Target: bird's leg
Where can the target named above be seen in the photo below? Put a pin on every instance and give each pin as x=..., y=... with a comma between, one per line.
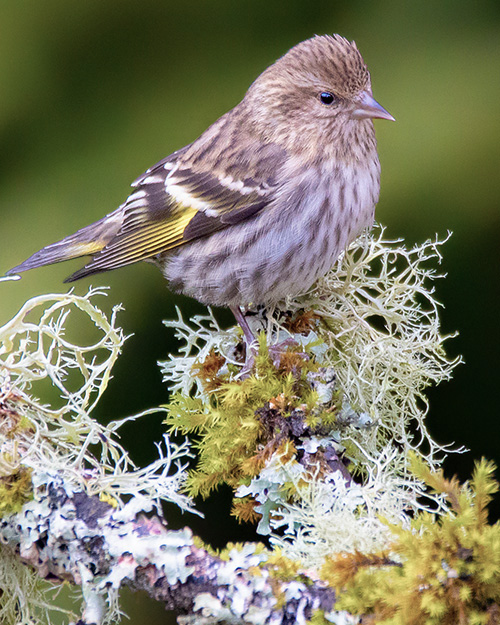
x=241, y=319
x=251, y=349
x=275, y=351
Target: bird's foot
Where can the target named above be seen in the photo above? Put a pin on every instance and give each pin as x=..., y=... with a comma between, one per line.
x=279, y=351
x=286, y=355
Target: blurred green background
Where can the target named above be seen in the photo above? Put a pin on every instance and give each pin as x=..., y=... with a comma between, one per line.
x=92, y=93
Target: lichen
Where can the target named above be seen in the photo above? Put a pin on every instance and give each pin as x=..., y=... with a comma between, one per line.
x=39, y=439
x=335, y=395
x=380, y=321
x=36, y=345
x=29, y=599
x=319, y=429
x=374, y=318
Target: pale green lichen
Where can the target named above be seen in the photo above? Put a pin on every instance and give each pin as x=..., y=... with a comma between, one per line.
x=35, y=347
x=367, y=346
x=381, y=323
x=331, y=514
x=28, y=598
x=377, y=326
x=52, y=518
x=39, y=440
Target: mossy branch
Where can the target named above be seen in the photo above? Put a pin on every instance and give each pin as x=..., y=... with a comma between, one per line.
x=317, y=440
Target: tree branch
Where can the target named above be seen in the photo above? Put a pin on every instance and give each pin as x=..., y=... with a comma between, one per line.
x=67, y=535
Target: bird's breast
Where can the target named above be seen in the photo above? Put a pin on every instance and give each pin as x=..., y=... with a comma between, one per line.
x=282, y=250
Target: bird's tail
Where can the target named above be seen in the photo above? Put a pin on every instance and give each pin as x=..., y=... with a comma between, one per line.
x=85, y=242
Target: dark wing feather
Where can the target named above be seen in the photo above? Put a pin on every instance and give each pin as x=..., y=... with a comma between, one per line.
x=177, y=201
x=229, y=201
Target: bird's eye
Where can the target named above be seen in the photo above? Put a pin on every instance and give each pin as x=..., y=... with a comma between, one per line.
x=327, y=97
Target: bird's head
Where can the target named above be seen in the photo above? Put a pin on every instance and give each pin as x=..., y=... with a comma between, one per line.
x=321, y=87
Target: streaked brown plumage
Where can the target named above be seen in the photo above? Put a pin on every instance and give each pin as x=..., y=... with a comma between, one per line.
x=264, y=201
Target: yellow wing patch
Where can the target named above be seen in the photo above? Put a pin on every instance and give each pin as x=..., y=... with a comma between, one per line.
x=88, y=248
x=152, y=238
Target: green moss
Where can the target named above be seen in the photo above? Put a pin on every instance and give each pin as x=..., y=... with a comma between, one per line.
x=443, y=570
x=282, y=568
x=15, y=490
x=245, y=420
x=318, y=618
x=225, y=553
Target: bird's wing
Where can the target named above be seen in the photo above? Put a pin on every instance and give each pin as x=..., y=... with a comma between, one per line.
x=179, y=200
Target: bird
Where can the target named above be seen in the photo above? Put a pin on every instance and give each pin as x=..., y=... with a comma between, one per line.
x=263, y=202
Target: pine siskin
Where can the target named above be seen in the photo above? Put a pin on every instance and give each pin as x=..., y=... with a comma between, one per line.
x=264, y=201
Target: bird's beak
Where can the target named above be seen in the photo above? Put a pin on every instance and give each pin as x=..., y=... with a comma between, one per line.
x=368, y=107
